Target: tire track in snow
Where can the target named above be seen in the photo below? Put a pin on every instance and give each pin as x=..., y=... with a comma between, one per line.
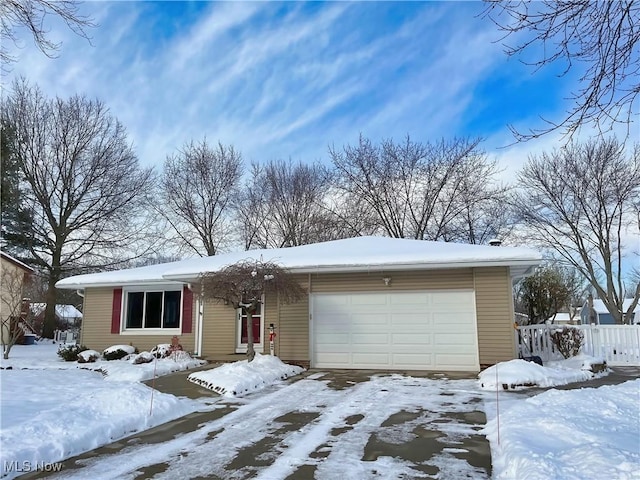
x=238, y=426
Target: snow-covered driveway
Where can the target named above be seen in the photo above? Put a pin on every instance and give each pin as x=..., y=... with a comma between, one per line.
x=384, y=426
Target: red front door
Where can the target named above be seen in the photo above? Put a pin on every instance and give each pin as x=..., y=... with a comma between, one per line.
x=256, y=329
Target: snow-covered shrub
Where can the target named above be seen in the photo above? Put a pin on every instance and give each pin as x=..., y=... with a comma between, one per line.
x=161, y=350
x=69, y=353
x=143, y=357
x=88, y=356
x=117, y=352
x=568, y=341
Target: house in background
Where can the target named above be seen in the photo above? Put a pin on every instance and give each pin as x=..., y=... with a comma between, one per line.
x=604, y=317
x=67, y=316
x=371, y=302
x=14, y=275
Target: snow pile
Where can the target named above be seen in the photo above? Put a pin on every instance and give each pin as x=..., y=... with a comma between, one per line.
x=239, y=378
x=569, y=434
x=520, y=373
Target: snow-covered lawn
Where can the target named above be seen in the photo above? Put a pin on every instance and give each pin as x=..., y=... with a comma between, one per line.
x=52, y=410
x=588, y=433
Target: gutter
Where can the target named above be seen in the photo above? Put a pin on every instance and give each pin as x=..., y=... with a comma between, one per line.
x=187, y=278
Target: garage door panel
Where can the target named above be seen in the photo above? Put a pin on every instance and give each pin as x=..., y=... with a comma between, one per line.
x=413, y=360
x=453, y=339
x=367, y=300
x=404, y=330
x=411, y=339
x=453, y=318
x=369, y=319
x=409, y=300
x=370, y=339
x=333, y=338
x=364, y=359
x=334, y=360
x=452, y=361
x=412, y=319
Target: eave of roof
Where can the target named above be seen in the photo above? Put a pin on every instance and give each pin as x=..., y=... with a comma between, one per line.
x=361, y=254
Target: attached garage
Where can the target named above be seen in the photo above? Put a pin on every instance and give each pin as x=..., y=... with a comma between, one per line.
x=422, y=330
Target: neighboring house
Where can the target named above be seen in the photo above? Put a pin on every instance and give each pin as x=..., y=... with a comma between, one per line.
x=603, y=317
x=372, y=303
x=67, y=316
x=563, y=318
x=13, y=276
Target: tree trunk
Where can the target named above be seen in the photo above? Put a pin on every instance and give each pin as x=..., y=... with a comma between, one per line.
x=251, y=353
x=49, y=324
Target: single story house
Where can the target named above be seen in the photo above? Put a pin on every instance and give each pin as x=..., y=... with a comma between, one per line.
x=371, y=302
x=604, y=317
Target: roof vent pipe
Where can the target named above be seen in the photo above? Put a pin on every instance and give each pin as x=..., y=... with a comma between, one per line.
x=494, y=242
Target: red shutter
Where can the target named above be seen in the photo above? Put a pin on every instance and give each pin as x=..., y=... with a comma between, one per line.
x=187, y=310
x=115, y=310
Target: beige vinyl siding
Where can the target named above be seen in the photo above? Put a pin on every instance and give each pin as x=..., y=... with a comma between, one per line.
x=96, y=326
x=219, y=329
x=293, y=328
x=461, y=278
x=494, y=310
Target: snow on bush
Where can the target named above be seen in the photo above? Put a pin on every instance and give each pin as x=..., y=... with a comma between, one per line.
x=88, y=356
x=568, y=341
x=116, y=352
x=161, y=350
x=142, y=357
x=69, y=353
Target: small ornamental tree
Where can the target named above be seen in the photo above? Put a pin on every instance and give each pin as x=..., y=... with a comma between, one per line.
x=243, y=284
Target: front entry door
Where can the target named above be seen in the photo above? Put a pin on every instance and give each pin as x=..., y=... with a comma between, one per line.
x=257, y=325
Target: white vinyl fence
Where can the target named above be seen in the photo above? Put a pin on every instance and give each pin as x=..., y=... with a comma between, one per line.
x=619, y=345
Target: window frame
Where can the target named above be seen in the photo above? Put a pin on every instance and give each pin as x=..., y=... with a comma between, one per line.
x=124, y=330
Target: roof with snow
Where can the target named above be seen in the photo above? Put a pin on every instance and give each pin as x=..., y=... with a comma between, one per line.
x=15, y=261
x=348, y=255
x=62, y=311
x=599, y=306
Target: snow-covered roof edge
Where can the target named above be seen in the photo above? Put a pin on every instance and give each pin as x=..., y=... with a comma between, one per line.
x=17, y=262
x=338, y=256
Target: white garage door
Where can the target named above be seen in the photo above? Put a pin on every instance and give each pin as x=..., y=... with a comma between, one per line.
x=433, y=330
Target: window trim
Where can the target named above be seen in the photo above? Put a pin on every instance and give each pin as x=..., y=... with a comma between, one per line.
x=145, y=289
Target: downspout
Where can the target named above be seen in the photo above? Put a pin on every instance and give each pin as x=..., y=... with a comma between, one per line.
x=80, y=293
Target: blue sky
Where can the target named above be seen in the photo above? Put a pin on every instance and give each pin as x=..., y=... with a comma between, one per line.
x=286, y=80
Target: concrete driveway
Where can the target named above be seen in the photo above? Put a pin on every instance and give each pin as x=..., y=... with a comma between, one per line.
x=323, y=424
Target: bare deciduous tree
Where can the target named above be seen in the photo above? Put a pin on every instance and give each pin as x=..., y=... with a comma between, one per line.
x=243, y=284
x=284, y=203
x=30, y=15
x=198, y=185
x=603, y=37
x=421, y=191
x=83, y=182
x=578, y=202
